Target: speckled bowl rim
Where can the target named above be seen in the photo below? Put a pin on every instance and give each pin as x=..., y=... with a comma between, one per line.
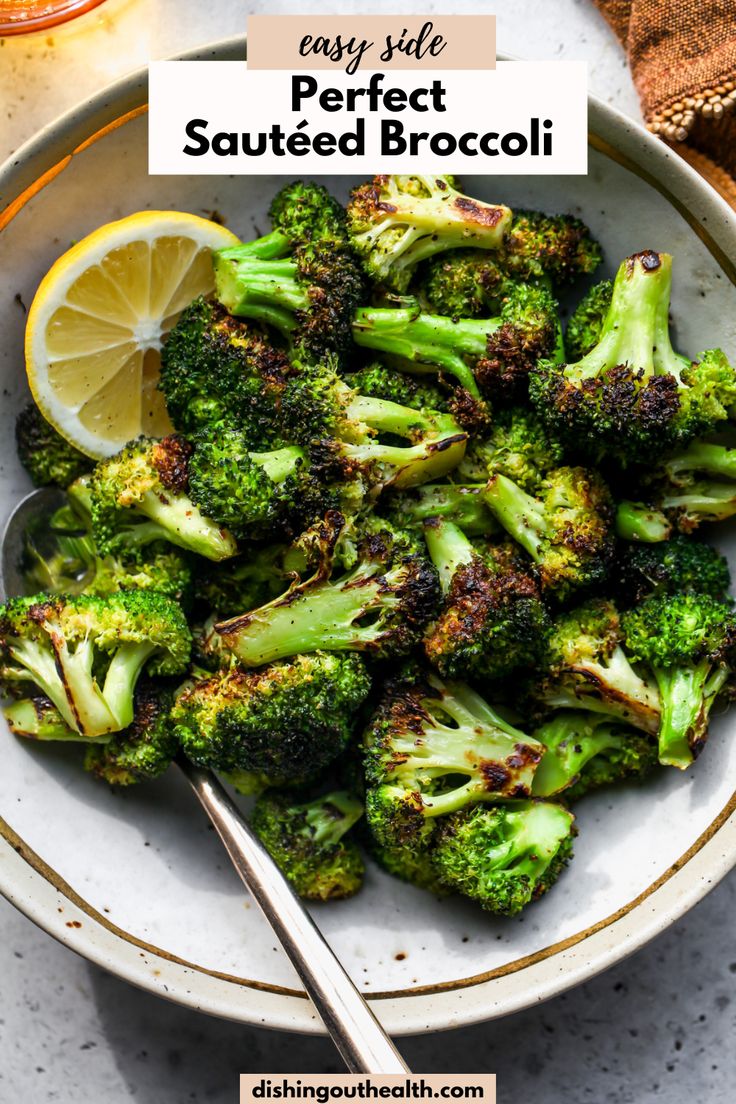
x=38, y=891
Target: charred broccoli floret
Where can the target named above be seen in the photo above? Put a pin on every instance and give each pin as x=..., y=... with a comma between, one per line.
x=380, y=381
x=632, y=396
x=677, y=566
x=504, y=856
x=518, y=446
x=217, y=369
x=687, y=488
x=583, y=331
x=432, y=748
x=145, y=749
x=343, y=429
x=310, y=842
x=86, y=653
x=60, y=557
x=402, y=847
x=381, y=606
x=490, y=355
x=280, y=724
x=565, y=527
x=397, y=221
x=473, y=283
x=492, y=620
x=591, y=669
x=49, y=459
x=687, y=641
x=302, y=279
x=149, y=479
x=588, y=750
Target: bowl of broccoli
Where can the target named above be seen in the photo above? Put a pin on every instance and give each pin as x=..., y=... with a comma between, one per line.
x=431, y=567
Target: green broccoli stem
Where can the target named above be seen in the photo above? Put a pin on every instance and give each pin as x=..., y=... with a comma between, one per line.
x=429, y=339
x=449, y=549
x=257, y=280
x=385, y=416
x=703, y=501
x=42, y=664
x=122, y=675
x=636, y=328
x=405, y=466
x=637, y=522
x=519, y=513
x=572, y=740
x=687, y=696
x=179, y=521
x=280, y=464
x=311, y=617
x=36, y=721
x=331, y=816
x=707, y=459
x=461, y=503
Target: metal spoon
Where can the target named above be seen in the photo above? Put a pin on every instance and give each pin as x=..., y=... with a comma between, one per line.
x=357, y=1034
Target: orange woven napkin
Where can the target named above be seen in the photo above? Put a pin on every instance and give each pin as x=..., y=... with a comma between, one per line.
x=683, y=59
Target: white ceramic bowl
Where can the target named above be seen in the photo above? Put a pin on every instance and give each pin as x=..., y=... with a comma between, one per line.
x=136, y=881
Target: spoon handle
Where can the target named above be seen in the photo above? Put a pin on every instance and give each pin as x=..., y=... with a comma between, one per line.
x=357, y=1034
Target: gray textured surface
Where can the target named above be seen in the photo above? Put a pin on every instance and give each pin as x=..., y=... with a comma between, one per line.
x=658, y=1027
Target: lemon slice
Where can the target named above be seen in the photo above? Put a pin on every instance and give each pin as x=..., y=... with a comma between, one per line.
x=94, y=332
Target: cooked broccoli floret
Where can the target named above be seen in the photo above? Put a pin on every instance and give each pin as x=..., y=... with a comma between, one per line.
x=588, y=750
x=492, y=621
x=343, y=430
x=309, y=842
x=149, y=478
x=60, y=557
x=472, y=283
x=380, y=606
x=493, y=355
x=677, y=566
x=302, y=279
x=687, y=640
x=86, y=653
x=405, y=849
x=145, y=749
x=519, y=446
x=589, y=668
x=283, y=723
x=461, y=503
x=380, y=381
x=49, y=459
x=565, y=527
x=254, y=494
x=433, y=748
x=686, y=489
x=583, y=331
x=505, y=856
x=632, y=396
x=217, y=369
x=397, y=221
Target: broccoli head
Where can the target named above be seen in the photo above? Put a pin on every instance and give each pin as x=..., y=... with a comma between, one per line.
x=565, y=528
x=310, y=843
x=251, y=579
x=379, y=381
x=381, y=606
x=217, y=369
x=504, y=856
x=145, y=749
x=280, y=724
x=588, y=750
x=49, y=458
x=86, y=653
x=557, y=246
x=434, y=747
x=589, y=668
x=632, y=396
x=680, y=565
x=149, y=479
x=687, y=641
x=460, y=503
x=492, y=620
x=402, y=846
x=518, y=446
x=491, y=355
x=397, y=221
